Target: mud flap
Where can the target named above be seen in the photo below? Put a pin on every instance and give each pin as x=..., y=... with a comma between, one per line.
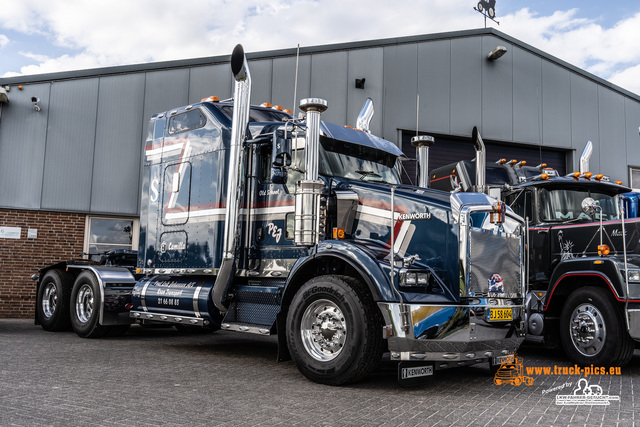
x=411, y=374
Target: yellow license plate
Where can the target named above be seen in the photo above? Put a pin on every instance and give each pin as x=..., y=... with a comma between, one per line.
x=499, y=314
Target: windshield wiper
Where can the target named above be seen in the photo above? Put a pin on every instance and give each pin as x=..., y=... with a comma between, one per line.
x=368, y=173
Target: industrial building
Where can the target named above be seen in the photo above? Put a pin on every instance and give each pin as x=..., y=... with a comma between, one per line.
x=71, y=142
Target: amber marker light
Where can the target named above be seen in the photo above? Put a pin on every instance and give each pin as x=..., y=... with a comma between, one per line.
x=266, y=104
x=598, y=262
x=210, y=99
x=619, y=182
x=599, y=176
x=544, y=176
x=501, y=161
x=338, y=233
x=588, y=175
x=603, y=250
x=513, y=162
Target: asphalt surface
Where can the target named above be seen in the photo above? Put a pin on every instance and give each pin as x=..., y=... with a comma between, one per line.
x=152, y=377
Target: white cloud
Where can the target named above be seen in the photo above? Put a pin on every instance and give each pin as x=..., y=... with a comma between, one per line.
x=4, y=40
x=99, y=34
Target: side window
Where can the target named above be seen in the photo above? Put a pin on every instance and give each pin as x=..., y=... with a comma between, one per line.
x=264, y=158
x=192, y=119
x=520, y=203
x=107, y=234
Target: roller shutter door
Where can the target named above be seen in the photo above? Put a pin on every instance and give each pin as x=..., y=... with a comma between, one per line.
x=448, y=150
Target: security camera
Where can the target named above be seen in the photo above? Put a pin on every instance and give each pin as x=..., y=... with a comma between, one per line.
x=35, y=100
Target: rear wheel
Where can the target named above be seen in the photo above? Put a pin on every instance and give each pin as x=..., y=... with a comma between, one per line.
x=52, y=301
x=333, y=330
x=592, y=329
x=85, y=307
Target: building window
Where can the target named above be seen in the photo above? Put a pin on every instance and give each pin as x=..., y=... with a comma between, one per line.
x=106, y=234
x=634, y=178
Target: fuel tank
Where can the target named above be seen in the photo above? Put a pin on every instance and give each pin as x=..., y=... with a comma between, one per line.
x=169, y=298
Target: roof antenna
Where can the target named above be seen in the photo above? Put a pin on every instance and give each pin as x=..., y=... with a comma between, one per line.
x=295, y=84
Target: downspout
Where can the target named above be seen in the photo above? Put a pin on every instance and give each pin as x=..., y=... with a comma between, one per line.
x=241, y=106
x=481, y=160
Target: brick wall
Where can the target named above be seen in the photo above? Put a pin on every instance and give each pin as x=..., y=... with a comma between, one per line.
x=60, y=238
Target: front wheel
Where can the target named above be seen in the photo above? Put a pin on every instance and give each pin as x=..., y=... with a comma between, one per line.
x=333, y=330
x=85, y=307
x=592, y=329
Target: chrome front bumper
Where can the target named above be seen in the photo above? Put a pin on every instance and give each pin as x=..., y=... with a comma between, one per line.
x=456, y=334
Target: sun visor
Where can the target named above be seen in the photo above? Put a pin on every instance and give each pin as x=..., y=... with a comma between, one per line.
x=354, y=136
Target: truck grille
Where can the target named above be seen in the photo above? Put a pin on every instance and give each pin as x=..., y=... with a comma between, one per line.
x=494, y=260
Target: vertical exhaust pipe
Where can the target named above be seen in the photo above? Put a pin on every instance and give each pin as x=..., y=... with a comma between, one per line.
x=422, y=144
x=585, y=157
x=241, y=106
x=365, y=116
x=481, y=160
x=309, y=190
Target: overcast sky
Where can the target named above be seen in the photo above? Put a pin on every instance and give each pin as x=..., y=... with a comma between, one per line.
x=42, y=36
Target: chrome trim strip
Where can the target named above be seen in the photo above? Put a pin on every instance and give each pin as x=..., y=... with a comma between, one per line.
x=143, y=296
x=196, y=294
x=169, y=318
x=237, y=327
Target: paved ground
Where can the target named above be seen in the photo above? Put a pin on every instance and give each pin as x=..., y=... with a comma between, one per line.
x=158, y=377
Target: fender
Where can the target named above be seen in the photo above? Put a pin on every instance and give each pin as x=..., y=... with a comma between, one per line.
x=602, y=268
x=361, y=260
x=108, y=277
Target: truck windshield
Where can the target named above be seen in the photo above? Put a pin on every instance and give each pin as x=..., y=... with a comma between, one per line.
x=346, y=160
x=566, y=204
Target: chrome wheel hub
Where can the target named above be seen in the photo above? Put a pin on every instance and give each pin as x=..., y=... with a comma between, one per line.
x=588, y=330
x=323, y=330
x=49, y=299
x=84, y=303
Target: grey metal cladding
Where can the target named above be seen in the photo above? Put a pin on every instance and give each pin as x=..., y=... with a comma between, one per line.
x=466, y=84
x=68, y=167
x=632, y=118
x=118, y=147
x=260, y=80
x=365, y=63
x=527, y=99
x=400, y=89
x=22, y=147
x=497, y=92
x=612, y=151
x=329, y=82
x=434, y=85
x=211, y=80
x=556, y=106
x=584, y=118
x=284, y=81
x=165, y=90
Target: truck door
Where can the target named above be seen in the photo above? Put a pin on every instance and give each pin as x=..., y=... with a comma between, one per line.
x=273, y=220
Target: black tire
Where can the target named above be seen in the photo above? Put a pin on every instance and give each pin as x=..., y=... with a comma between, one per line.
x=85, y=307
x=593, y=330
x=492, y=13
x=52, y=301
x=480, y=8
x=333, y=331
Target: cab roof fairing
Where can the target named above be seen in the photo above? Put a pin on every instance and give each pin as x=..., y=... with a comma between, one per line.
x=564, y=182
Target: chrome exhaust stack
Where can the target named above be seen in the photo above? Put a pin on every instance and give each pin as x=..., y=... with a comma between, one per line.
x=481, y=161
x=309, y=190
x=422, y=144
x=241, y=107
x=585, y=157
x=365, y=116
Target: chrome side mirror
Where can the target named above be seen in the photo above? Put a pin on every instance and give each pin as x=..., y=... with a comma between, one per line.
x=589, y=206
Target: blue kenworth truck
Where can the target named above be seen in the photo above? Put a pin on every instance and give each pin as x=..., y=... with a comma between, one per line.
x=258, y=222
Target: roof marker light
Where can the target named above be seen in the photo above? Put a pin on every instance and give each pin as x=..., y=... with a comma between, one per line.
x=541, y=166
x=266, y=104
x=501, y=161
x=210, y=99
x=619, y=182
x=513, y=162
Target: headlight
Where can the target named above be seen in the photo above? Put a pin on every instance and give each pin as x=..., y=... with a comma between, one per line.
x=633, y=275
x=414, y=278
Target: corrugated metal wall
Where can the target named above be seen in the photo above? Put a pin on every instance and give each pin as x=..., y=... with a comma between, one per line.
x=82, y=151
